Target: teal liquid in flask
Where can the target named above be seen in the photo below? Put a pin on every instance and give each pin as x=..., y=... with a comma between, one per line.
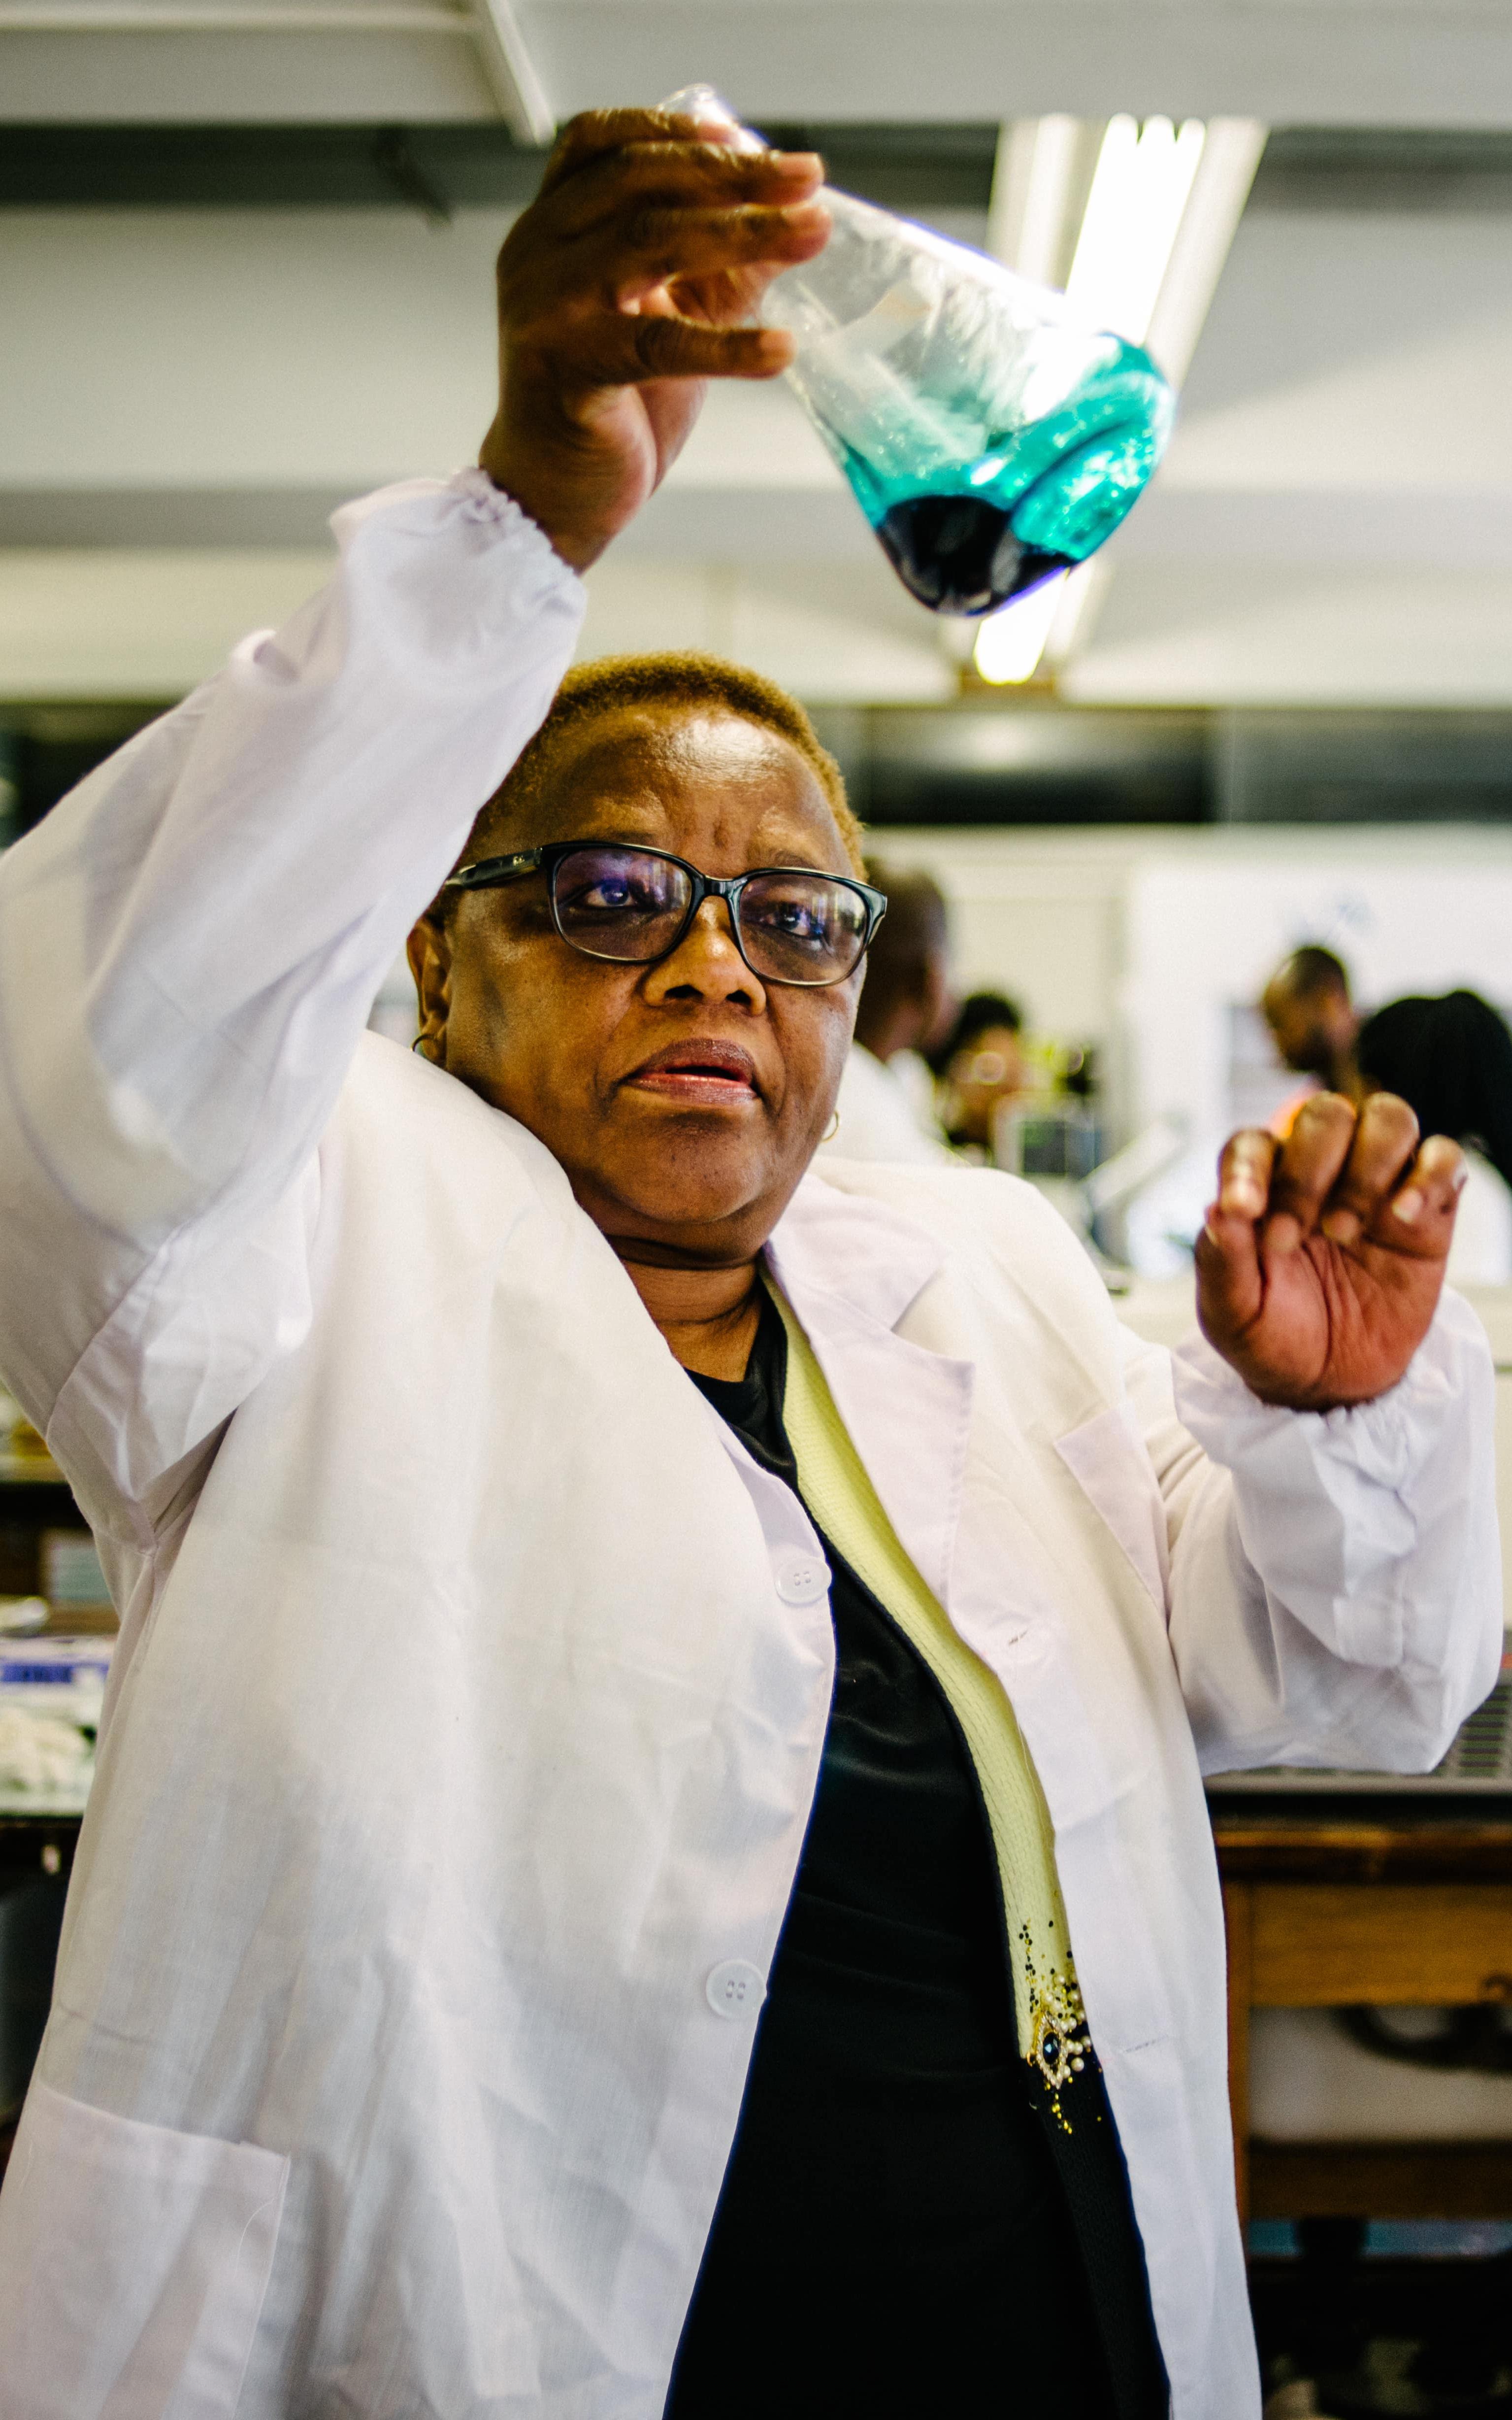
x=990, y=438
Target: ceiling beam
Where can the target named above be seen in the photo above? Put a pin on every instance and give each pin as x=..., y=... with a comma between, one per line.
x=223, y=17
x=511, y=73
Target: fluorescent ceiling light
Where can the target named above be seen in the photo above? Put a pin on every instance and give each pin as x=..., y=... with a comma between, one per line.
x=1039, y=629
x=1220, y=189
x=1120, y=212
x=1133, y=214
x=1138, y=224
x=1011, y=641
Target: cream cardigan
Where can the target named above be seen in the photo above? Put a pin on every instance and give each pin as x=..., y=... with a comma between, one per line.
x=1047, y=2003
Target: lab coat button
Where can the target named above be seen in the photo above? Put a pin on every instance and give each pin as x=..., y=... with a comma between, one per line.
x=801, y=1578
x=735, y=1988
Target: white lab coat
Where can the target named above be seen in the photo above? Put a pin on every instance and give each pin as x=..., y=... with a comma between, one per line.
x=472, y=1683
x=877, y=1119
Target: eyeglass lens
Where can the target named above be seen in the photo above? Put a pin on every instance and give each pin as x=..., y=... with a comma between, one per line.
x=625, y=904
x=619, y=903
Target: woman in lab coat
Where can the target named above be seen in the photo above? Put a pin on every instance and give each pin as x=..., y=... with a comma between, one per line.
x=478, y=1651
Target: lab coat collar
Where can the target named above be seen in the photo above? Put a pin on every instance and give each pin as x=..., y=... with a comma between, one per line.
x=851, y=1265
x=852, y=1250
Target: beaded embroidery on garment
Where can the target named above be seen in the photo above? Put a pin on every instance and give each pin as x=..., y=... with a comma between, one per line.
x=1047, y=2001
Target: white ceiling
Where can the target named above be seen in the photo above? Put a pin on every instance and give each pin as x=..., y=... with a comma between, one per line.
x=1329, y=62
x=188, y=391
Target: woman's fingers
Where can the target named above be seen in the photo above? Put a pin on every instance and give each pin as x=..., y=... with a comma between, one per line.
x=1306, y=1165
x=630, y=349
x=633, y=223
x=1229, y=1265
x=673, y=175
x=665, y=247
x=593, y=132
x=1341, y=1174
x=1382, y=1149
x=730, y=298
x=1428, y=1195
x=630, y=281
x=1351, y=1179
x=1244, y=1167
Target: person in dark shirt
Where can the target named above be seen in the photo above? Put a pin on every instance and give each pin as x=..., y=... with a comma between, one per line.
x=1451, y=1060
x=1449, y=1057
x=904, y=2188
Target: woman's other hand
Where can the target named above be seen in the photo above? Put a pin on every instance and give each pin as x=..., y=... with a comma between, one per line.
x=629, y=282
x=1323, y=1258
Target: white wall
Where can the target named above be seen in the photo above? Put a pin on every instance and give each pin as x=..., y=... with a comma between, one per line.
x=1142, y=940
x=138, y=622
x=188, y=348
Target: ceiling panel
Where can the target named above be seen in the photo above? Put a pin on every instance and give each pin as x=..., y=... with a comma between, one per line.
x=1351, y=62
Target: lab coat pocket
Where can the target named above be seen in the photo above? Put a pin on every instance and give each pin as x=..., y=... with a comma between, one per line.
x=134, y=2262
x=1107, y=1459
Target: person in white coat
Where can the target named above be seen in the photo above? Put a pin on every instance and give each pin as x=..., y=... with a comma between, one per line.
x=885, y=1106
x=532, y=1492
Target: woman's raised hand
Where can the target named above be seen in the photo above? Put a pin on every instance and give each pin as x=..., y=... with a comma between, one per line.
x=629, y=282
x=1322, y=1257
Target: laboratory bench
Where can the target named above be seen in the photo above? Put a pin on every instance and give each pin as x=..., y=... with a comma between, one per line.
x=1359, y=1902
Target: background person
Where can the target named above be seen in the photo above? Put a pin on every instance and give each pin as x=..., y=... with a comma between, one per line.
x=1313, y=1020
x=981, y=1066
x=886, y=1110
x=494, y=1692
x=1449, y=1057
x=1450, y=1060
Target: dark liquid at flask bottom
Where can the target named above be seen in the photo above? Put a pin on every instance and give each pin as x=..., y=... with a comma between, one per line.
x=958, y=554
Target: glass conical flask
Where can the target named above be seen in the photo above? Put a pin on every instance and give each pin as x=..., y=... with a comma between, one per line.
x=990, y=439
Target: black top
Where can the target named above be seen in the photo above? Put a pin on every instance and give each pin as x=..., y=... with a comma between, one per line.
x=906, y=2226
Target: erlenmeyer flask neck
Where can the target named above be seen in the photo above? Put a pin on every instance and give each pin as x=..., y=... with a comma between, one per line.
x=701, y=102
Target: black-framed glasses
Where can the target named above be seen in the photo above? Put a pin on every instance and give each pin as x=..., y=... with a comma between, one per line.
x=612, y=899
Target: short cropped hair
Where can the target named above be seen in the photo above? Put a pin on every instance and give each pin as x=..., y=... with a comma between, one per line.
x=1312, y=969
x=609, y=685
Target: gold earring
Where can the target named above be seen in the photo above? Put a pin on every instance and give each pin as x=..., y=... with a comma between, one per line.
x=832, y=1129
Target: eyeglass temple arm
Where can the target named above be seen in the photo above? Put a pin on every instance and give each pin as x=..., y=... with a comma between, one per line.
x=487, y=871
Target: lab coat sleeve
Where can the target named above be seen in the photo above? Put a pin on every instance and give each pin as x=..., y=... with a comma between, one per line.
x=1335, y=1593
x=190, y=947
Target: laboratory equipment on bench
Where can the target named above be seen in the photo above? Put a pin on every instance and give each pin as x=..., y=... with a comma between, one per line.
x=51, y=1693
x=990, y=437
